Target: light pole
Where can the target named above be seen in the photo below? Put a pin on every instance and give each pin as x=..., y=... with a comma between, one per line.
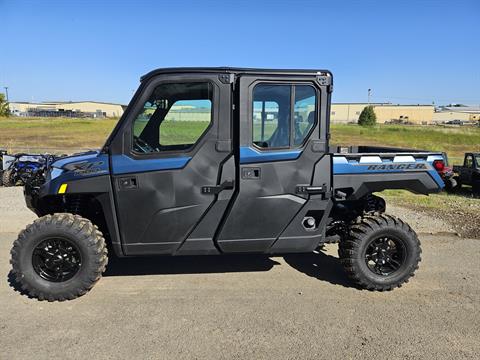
x=6, y=92
x=369, y=95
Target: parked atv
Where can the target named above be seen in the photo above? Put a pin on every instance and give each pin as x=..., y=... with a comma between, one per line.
x=220, y=161
x=23, y=168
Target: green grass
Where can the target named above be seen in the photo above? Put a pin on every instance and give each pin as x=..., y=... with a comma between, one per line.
x=75, y=134
x=454, y=141
x=53, y=134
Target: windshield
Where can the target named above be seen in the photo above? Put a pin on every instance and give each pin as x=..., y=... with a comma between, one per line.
x=477, y=160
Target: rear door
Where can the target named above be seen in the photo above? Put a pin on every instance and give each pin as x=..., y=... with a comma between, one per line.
x=173, y=163
x=282, y=154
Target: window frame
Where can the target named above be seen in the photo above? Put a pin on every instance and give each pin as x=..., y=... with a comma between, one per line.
x=292, y=86
x=197, y=142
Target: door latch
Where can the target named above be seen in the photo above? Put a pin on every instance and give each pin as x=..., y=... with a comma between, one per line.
x=216, y=189
x=250, y=173
x=312, y=190
x=127, y=183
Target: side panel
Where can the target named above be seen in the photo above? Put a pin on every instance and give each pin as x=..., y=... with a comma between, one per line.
x=356, y=176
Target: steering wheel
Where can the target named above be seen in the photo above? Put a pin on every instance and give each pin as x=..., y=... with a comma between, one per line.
x=143, y=146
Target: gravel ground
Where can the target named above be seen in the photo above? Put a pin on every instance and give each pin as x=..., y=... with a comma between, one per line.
x=254, y=307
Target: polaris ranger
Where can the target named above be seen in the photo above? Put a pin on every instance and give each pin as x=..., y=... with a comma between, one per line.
x=469, y=173
x=220, y=161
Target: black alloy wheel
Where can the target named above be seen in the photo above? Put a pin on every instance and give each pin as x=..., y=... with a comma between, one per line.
x=56, y=260
x=385, y=255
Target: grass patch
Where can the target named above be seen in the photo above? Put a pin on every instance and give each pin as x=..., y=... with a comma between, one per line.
x=50, y=134
x=454, y=141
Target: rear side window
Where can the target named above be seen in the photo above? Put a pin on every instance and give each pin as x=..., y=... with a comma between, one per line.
x=469, y=161
x=283, y=115
x=304, y=112
x=174, y=117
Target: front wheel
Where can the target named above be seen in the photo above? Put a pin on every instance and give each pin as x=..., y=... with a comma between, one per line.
x=381, y=252
x=58, y=257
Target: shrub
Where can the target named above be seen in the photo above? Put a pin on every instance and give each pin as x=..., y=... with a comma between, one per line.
x=367, y=117
x=4, y=109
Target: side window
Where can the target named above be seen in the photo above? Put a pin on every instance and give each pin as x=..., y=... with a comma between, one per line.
x=283, y=115
x=469, y=161
x=174, y=117
x=304, y=112
x=271, y=115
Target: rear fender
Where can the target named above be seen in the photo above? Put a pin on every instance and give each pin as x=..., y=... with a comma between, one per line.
x=355, y=178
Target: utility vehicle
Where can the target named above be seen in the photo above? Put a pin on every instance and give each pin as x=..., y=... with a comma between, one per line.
x=469, y=173
x=219, y=161
x=22, y=168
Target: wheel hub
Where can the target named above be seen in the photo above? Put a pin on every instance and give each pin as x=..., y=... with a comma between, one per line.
x=56, y=259
x=385, y=255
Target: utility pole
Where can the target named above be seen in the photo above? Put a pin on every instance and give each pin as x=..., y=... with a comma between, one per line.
x=6, y=92
x=369, y=95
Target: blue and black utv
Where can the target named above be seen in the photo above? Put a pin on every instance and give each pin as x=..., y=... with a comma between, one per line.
x=219, y=161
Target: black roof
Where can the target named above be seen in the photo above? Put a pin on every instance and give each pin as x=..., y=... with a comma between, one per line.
x=233, y=70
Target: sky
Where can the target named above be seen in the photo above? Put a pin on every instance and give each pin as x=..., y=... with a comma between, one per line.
x=407, y=52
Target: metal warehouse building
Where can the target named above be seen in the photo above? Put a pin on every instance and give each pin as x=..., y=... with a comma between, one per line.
x=350, y=112
x=67, y=109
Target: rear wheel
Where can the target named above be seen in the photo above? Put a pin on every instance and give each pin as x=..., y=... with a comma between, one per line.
x=381, y=252
x=7, y=178
x=59, y=257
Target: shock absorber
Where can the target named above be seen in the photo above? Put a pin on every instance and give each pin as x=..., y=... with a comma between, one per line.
x=75, y=204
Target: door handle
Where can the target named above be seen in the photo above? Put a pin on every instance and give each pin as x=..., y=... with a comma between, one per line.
x=216, y=189
x=251, y=173
x=311, y=190
x=127, y=183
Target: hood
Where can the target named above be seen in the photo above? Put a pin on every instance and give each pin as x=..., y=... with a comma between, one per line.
x=87, y=164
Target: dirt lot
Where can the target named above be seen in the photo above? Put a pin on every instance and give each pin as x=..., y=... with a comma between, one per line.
x=292, y=307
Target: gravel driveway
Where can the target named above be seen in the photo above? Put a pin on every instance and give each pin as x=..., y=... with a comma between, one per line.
x=255, y=307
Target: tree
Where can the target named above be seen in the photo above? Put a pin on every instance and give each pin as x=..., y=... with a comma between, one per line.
x=4, y=109
x=367, y=117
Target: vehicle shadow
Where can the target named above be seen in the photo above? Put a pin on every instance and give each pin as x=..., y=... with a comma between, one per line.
x=15, y=285
x=465, y=191
x=163, y=265
x=318, y=265
x=321, y=266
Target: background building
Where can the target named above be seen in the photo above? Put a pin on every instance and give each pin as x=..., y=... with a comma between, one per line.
x=462, y=113
x=415, y=114
x=93, y=109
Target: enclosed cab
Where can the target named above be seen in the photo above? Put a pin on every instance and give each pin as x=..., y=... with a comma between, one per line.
x=221, y=161
x=469, y=173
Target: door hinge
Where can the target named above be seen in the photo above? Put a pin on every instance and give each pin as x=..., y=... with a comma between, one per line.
x=325, y=80
x=226, y=78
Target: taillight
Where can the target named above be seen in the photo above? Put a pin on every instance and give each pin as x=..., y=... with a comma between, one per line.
x=439, y=165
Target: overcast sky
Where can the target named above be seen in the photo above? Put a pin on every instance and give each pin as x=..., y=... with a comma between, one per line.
x=405, y=51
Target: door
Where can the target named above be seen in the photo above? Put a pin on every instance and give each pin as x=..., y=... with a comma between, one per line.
x=175, y=163
x=281, y=158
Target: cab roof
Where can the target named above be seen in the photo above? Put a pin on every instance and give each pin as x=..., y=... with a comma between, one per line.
x=235, y=71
